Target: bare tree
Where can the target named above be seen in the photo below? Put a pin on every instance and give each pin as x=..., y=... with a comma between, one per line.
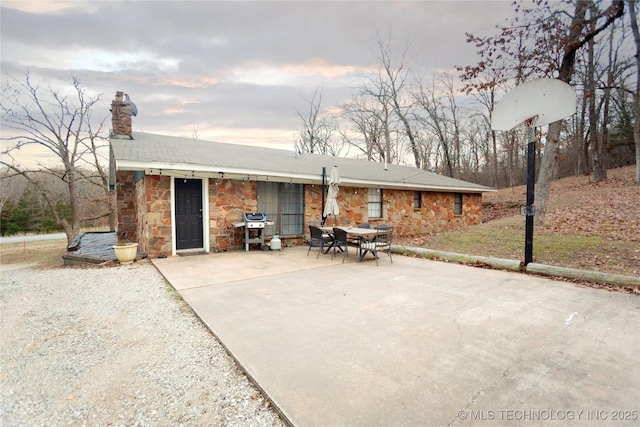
x=507, y=61
x=580, y=33
x=541, y=42
x=318, y=132
x=366, y=127
x=633, y=18
x=58, y=123
x=484, y=83
x=455, y=118
x=393, y=81
x=440, y=117
x=377, y=89
x=595, y=142
x=478, y=155
x=608, y=79
x=94, y=142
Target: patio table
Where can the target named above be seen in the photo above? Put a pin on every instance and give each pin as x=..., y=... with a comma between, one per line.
x=359, y=233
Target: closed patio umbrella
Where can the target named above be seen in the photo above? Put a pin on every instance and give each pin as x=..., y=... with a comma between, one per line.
x=331, y=207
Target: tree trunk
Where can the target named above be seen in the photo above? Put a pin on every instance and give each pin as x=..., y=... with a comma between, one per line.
x=545, y=174
x=576, y=39
x=395, y=82
x=509, y=164
x=600, y=172
x=409, y=131
x=636, y=97
x=387, y=136
x=584, y=164
x=495, y=158
x=549, y=156
x=74, y=229
x=597, y=160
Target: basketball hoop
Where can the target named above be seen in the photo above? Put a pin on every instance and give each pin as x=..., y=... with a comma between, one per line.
x=546, y=100
x=533, y=103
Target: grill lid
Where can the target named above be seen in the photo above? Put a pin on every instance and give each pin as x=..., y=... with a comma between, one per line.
x=255, y=216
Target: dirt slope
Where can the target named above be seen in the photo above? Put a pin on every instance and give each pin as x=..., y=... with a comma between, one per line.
x=610, y=209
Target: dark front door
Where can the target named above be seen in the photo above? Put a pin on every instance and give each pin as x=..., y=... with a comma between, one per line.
x=188, y=213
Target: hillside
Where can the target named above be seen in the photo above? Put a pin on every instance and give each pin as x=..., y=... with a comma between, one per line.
x=594, y=226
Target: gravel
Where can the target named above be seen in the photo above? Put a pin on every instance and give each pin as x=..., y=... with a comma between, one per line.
x=114, y=346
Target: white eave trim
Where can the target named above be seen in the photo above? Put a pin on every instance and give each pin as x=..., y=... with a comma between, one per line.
x=177, y=169
x=412, y=186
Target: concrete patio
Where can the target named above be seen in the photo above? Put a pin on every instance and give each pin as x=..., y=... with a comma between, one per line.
x=417, y=342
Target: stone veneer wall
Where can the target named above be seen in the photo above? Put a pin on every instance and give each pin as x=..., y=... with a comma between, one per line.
x=435, y=215
x=126, y=206
x=155, y=220
x=140, y=215
x=144, y=211
x=228, y=199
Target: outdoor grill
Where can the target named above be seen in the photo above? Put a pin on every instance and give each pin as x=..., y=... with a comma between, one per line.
x=253, y=223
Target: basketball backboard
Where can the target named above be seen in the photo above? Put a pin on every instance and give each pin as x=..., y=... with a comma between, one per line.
x=549, y=99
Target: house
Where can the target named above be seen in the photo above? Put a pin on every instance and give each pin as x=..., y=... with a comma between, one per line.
x=177, y=194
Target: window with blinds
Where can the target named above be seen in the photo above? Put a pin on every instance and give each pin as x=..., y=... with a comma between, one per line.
x=457, y=204
x=417, y=199
x=284, y=205
x=375, y=203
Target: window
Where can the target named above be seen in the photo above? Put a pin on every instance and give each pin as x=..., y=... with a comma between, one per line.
x=375, y=203
x=417, y=199
x=292, y=216
x=457, y=203
x=284, y=205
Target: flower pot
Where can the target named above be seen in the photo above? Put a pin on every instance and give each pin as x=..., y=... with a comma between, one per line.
x=126, y=252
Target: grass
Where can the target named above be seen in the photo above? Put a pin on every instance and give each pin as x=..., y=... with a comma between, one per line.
x=505, y=239
x=592, y=226
x=42, y=254
x=492, y=239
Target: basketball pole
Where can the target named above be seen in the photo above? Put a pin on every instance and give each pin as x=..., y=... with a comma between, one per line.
x=543, y=101
x=531, y=176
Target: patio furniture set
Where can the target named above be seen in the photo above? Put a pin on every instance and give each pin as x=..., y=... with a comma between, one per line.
x=362, y=237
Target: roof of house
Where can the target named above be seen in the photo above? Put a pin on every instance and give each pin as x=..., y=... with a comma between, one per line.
x=160, y=154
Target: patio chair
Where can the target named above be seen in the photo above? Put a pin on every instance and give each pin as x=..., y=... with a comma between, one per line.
x=381, y=226
x=319, y=239
x=355, y=240
x=341, y=242
x=381, y=242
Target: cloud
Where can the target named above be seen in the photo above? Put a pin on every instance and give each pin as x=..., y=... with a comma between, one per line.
x=233, y=69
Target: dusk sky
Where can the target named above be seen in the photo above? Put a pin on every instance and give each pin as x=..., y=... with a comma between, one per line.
x=237, y=71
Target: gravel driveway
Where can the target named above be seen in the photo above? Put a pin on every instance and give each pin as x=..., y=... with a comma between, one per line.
x=113, y=346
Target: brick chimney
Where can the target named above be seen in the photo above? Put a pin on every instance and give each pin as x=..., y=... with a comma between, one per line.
x=120, y=117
